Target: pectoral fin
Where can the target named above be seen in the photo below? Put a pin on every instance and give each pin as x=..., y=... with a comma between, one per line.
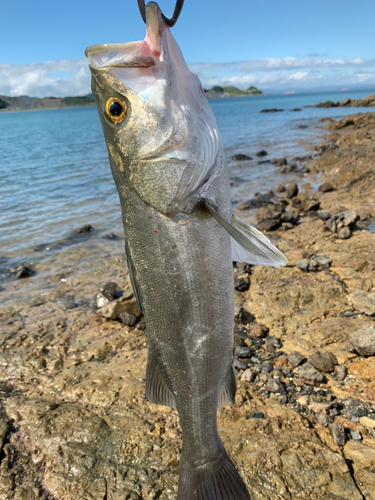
x=229, y=389
x=248, y=244
x=156, y=389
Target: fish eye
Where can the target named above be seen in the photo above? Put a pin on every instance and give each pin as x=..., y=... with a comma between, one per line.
x=116, y=109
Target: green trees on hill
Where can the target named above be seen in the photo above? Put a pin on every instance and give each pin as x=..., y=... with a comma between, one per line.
x=229, y=89
x=3, y=104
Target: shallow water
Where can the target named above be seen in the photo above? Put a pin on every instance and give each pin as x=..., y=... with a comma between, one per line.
x=55, y=174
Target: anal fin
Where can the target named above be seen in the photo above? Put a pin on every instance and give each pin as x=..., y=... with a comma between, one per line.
x=229, y=389
x=156, y=389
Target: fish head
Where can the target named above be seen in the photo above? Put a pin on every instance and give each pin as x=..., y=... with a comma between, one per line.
x=160, y=132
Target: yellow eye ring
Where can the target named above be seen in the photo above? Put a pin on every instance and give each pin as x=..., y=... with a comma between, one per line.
x=116, y=109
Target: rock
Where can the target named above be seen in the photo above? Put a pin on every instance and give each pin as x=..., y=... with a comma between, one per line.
x=308, y=372
x=363, y=301
x=280, y=162
x=87, y=228
x=248, y=376
x=280, y=188
x=242, y=284
x=340, y=372
x=363, y=214
x=257, y=331
x=323, y=361
x=269, y=225
x=258, y=414
x=344, y=233
x=323, y=261
x=363, y=340
x=303, y=265
x=296, y=109
x=324, y=216
x=141, y=325
x=325, y=187
x=129, y=319
x=266, y=367
x=322, y=419
x=291, y=190
x=288, y=168
x=275, y=386
x=311, y=204
x=360, y=453
x=239, y=365
x=241, y=157
x=118, y=306
x=242, y=351
x=338, y=433
x=106, y=294
x=21, y=271
x=349, y=217
x=367, y=422
x=261, y=153
x=275, y=342
x=304, y=400
x=355, y=435
x=295, y=358
x=243, y=205
x=272, y=110
x=244, y=317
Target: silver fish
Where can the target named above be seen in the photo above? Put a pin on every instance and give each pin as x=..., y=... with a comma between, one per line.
x=170, y=171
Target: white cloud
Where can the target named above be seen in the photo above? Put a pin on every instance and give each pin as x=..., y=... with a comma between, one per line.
x=68, y=78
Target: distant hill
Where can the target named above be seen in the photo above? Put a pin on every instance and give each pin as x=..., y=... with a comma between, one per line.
x=230, y=91
x=8, y=103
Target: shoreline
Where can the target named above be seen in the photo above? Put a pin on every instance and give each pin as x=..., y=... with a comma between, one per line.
x=72, y=381
x=46, y=109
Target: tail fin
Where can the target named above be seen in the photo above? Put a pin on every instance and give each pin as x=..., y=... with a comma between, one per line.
x=221, y=483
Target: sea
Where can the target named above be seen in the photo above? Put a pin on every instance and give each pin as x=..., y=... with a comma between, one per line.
x=55, y=176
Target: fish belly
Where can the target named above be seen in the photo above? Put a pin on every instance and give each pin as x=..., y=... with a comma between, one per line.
x=183, y=272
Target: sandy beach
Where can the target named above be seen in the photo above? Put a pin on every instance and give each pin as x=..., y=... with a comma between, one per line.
x=74, y=420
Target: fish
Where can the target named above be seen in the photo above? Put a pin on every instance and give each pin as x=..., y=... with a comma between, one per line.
x=181, y=239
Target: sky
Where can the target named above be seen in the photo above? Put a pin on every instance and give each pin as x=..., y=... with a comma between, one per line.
x=274, y=45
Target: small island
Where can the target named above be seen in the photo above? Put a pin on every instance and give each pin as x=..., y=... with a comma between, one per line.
x=230, y=91
x=23, y=103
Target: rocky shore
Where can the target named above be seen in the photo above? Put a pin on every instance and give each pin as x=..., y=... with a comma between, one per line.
x=74, y=421
x=368, y=101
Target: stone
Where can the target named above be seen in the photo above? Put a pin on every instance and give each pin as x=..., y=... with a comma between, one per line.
x=87, y=228
x=243, y=205
x=242, y=284
x=257, y=331
x=113, y=309
x=286, y=169
x=311, y=204
x=323, y=261
x=308, y=372
x=106, y=294
x=303, y=265
x=304, y=400
x=240, y=157
x=280, y=188
x=295, y=358
x=344, y=233
x=261, y=153
x=324, y=361
x=242, y=351
x=291, y=190
x=367, y=422
x=269, y=225
x=355, y=435
x=239, y=365
x=324, y=216
x=280, y=162
x=363, y=340
x=22, y=271
x=363, y=301
x=271, y=110
x=338, y=433
x=340, y=372
x=275, y=386
x=244, y=317
x=360, y=453
x=248, y=376
x=128, y=318
x=322, y=419
x=325, y=187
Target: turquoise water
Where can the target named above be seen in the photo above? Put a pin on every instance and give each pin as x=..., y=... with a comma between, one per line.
x=55, y=175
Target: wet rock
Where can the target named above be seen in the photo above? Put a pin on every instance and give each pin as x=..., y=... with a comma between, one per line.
x=269, y=225
x=323, y=361
x=271, y=110
x=280, y=162
x=106, y=294
x=240, y=157
x=87, y=228
x=338, y=433
x=367, y=422
x=344, y=233
x=248, y=376
x=295, y=358
x=275, y=386
x=21, y=271
x=286, y=169
x=363, y=301
x=340, y=372
x=280, y=189
x=308, y=372
x=129, y=319
x=262, y=153
x=113, y=309
x=325, y=187
x=363, y=340
x=296, y=109
x=242, y=284
x=291, y=190
x=111, y=236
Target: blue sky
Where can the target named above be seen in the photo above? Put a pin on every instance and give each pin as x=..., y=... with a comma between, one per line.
x=277, y=44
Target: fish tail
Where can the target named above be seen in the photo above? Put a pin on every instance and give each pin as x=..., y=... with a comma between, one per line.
x=218, y=482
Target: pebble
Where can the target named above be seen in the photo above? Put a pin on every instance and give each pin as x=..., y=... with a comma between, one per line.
x=280, y=162
x=323, y=361
x=340, y=372
x=344, y=233
x=240, y=157
x=303, y=400
x=275, y=342
x=367, y=422
x=308, y=372
x=338, y=433
x=239, y=365
x=244, y=317
x=87, y=228
x=248, y=376
x=242, y=284
x=21, y=271
x=355, y=435
x=258, y=414
x=322, y=419
x=269, y=225
x=128, y=318
x=242, y=351
x=295, y=358
x=291, y=190
x=363, y=340
x=323, y=261
x=280, y=189
x=261, y=153
x=324, y=216
x=326, y=187
x=303, y=265
x=257, y=331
